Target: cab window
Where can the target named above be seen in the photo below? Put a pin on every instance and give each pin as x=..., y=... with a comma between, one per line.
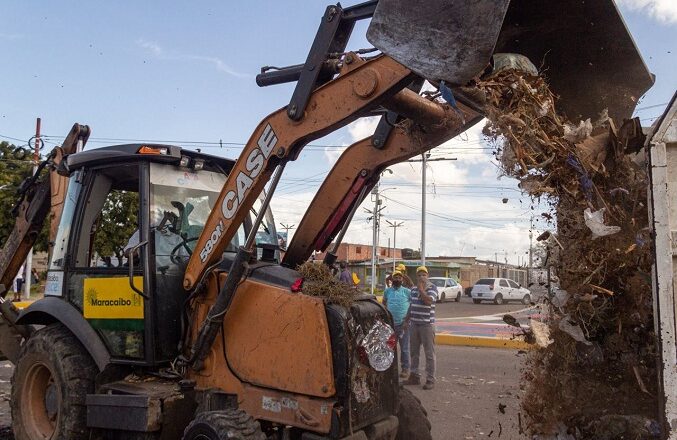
x=110, y=218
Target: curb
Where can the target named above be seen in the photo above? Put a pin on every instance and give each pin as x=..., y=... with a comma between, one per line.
x=480, y=341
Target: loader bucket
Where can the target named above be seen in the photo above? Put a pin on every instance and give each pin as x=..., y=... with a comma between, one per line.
x=582, y=47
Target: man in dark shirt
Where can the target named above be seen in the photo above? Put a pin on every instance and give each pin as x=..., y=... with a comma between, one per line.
x=345, y=276
x=422, y=329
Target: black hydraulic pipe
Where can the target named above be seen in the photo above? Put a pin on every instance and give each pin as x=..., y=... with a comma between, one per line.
x=214, y=321
x=279, y=76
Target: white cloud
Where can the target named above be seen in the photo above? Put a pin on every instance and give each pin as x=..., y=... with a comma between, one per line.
x=362, y=128
x=664, y=11
x=156, y=50
x=150, y=46
x=220, y=66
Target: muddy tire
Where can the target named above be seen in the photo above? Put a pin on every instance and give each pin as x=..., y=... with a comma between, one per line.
x=498, y=299
x=50, y=382
x=526, y=300
x=412, y=417
x=458, y=297
x=230, y=424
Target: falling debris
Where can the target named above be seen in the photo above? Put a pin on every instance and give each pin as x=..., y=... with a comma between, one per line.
x=595, y=221
x=541, y=333
x=573, y=330
x=596, y=367
x=317, y=280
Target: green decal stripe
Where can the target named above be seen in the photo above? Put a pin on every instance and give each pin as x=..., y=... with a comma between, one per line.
x=117, y=324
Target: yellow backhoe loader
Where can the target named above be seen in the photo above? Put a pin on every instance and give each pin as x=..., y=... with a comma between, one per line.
x=194, y=332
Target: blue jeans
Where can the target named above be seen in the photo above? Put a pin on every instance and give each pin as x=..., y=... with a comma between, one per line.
x=403, y=338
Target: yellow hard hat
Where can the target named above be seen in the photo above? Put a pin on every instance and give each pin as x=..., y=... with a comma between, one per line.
x=401, y=267
x=397, y=272
x=422, y=269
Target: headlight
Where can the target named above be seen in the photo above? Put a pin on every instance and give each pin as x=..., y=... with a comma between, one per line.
x=377, y=348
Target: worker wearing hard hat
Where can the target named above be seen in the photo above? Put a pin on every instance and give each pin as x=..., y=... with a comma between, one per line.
x=406, y=281
x=422, y=329
x=397, y=299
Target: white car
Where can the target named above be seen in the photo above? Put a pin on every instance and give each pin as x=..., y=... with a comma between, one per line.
x=499, y=290
x=447, y=288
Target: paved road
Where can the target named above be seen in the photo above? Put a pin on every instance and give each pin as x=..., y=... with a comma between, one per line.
x=471, y=384
x=451, y=309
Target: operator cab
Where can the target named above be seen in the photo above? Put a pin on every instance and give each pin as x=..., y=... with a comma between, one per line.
x=131, y=220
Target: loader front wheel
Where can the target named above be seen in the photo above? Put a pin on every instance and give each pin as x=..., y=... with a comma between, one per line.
x=412, y=418
x=230, y=424
x=50, y=382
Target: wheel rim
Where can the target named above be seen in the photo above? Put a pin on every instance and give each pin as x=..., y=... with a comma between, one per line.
x=40, y=402
x=499, y=299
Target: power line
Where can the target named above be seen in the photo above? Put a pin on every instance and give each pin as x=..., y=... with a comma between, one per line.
x=651, y=106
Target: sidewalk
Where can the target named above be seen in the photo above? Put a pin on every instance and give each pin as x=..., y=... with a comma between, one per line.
x=485, y=330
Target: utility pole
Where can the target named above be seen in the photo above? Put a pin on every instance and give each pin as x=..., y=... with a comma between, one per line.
x=394, y=225
x=374, y=239
x=286, y=230
x=29, y=259
x=424, y=159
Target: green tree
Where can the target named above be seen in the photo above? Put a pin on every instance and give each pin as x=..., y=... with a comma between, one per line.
x=117, y=222
x=13, y=170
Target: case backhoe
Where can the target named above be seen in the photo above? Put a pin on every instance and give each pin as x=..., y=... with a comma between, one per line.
x=193, y=331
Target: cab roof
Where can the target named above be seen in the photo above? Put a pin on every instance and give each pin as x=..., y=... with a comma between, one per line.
x=127, y=153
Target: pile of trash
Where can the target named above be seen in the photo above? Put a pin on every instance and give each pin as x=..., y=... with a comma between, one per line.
x=317, y=280
x=594, y=375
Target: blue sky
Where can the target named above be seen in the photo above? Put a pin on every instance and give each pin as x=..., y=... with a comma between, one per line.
x=184, y=72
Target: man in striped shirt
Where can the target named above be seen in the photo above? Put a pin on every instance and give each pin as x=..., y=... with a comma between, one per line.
x=422, y=328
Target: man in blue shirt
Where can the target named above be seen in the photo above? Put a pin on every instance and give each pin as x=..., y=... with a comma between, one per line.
x=397, y=299
x=422, y=332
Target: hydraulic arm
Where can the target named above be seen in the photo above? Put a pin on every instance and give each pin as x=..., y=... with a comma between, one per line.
x=36, y=195
x=360, y=166
x=360, y=88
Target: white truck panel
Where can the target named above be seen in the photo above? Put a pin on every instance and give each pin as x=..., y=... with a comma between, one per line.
x=663, y=211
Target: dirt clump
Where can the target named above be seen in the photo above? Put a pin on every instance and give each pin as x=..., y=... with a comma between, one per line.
x=597, y=378
x=319, y=281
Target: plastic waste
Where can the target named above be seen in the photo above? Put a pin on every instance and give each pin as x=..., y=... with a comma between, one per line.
x=541, y=333
x=573, y=133
x=595, y=221
x=573, y=330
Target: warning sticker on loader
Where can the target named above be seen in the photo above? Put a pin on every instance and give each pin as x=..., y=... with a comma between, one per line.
x=112, y=298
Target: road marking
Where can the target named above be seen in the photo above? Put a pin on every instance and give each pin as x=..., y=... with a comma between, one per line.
x=486, y=317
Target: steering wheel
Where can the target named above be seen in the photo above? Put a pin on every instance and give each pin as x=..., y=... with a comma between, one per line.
x=176, y=259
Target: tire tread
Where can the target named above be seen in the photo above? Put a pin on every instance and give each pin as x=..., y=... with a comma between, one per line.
x=71, y=361
x=229, y=424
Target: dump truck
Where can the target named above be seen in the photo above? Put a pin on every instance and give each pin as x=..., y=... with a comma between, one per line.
x=196, y=332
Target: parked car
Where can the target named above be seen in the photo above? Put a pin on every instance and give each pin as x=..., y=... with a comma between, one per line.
x=447, y=288
x=499, y=290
